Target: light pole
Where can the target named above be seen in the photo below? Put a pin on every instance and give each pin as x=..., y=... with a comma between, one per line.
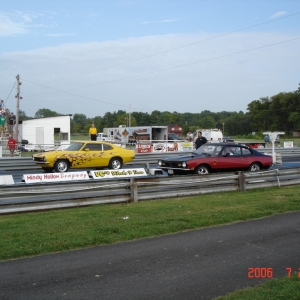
x=223, y=127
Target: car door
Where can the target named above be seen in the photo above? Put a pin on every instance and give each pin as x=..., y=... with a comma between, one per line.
x=93, y=153
x=248, y=156
x=231, y=158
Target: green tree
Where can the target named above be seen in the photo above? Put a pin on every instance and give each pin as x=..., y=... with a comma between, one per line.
x=176, y=118
x=165, y=118
x=46, y=113
x=142, y=119
x=124, y=120
x=283, y=109
x=207, y=122
x=23, y=116
x=155, y=118
x=81, y=121
x=261, y=118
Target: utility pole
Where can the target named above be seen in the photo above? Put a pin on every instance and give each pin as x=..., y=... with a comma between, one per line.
x=17, y=107
x=129, y=116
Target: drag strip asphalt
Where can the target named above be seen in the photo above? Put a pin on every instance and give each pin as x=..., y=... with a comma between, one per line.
x=197, y=264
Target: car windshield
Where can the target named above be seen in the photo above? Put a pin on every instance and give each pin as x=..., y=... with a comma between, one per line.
x=74, y=147
x=208, y=149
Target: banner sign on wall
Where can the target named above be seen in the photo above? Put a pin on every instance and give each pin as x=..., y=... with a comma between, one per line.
x=144, y=148
x=288, y=144
x=186, y=146
x=52, y=177
x=108, y=174
x=159, y=147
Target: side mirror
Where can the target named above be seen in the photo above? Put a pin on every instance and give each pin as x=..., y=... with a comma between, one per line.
x=86, y=149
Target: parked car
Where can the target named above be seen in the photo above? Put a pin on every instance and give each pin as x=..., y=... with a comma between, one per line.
x=174, y=137
x=56, y=148
x=227, y=138
x=268, y=140
x=86, y=154
x=213, y=157
x=104, y=137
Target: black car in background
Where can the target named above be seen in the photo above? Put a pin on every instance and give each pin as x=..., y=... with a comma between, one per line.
x=268, y=140
x=174, y=137
x=227, y=138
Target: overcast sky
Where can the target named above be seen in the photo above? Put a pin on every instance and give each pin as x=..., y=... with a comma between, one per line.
x=94, y=56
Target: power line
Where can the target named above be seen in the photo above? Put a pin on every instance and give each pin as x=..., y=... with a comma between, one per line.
x=161, y=70
x=80, y=96
x=10, y=92
x=158, y=53
x=179, y=47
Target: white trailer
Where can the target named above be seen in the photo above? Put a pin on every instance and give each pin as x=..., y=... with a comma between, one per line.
x=133, y=135
x=41, y=131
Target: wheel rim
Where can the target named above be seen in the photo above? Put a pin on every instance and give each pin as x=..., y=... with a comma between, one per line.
x=116, y=164
x=202, y=170
x=255, y=168
x=62, y=166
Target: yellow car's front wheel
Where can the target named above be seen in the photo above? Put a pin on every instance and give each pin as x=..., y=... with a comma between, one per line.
x=62, y=166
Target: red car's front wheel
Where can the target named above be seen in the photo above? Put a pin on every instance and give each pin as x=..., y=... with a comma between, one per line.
x=202, y=170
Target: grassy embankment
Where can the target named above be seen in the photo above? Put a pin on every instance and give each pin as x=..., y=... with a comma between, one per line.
x=275, y=289
x=44, y=232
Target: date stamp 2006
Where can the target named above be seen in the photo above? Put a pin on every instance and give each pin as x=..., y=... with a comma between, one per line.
x=267, y=272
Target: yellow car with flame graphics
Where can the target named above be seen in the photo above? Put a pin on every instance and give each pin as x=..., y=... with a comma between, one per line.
x=87, y=154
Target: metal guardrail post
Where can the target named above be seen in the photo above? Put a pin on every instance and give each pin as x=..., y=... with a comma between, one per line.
x=242, y=182
x=277, y=176
x=133, y=190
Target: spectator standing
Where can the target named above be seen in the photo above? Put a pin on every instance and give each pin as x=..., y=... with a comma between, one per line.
x=93, y=133
x=2, y=122
x=188, y=136
x=2, y=106
x=200, y=140
x=11, y=145
x=11, y=122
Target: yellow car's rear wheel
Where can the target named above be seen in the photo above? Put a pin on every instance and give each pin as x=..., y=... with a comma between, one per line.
x=115, y=163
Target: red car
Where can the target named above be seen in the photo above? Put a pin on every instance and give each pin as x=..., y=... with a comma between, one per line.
x=213, y=157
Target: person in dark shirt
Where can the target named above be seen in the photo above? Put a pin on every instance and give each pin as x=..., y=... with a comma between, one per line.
x=11, y=122
x=200, y=140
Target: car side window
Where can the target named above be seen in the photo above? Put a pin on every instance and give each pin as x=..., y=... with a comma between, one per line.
x=231, y=151
x=93, y=147
x=237, y=151
x=107, y=147
x=246, y=151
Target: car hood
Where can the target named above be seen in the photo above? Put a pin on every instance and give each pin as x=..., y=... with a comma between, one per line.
x=41, y=154
x=183, y=157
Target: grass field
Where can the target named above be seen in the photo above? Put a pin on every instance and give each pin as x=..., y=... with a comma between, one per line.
x=44, y=232
x=275, y=289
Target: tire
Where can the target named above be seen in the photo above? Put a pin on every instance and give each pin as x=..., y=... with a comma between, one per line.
x=115, y=164
x=255, y=167
x=47, y=170
x=202, y=170
x=62, y=166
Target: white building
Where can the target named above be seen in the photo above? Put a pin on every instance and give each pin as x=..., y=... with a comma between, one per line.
x=41, y=131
